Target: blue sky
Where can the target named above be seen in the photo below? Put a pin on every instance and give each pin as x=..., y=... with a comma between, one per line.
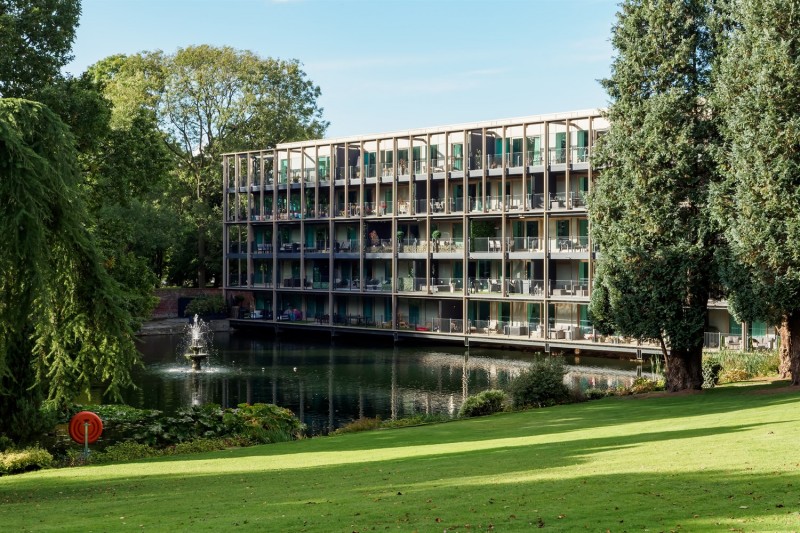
x=386, y=65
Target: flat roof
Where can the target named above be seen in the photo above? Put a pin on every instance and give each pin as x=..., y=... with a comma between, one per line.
x=514, y=121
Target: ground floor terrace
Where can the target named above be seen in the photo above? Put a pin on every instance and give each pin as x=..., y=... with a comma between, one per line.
x=475, y=319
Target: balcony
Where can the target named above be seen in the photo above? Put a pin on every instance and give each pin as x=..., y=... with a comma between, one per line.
x=526, y=244
x=569, y=287
x=569, y=244
x=535, y=158
x=347, y=246
x=557, y=156
x=579, y=154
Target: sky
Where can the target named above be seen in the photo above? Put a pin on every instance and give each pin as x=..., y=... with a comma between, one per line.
x=387, y=65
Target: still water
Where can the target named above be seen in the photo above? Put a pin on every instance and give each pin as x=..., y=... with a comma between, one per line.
x=327, y=386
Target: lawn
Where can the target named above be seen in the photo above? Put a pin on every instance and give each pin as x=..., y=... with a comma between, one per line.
x=721, y=460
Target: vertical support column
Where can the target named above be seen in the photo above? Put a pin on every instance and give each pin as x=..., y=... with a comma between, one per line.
x=225, y=216
x=546, y=229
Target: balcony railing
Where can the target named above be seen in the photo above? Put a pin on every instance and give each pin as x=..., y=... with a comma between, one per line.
x=344, y=246
x=447, y=245
x=410, y=284
x=456, y=204
x=387, y=170
x=494, y=161
x=485, y=285
x=535, y=157
x=526, y=244
x=456, y=163
x=557, y=156
x=447, y=325
x=536, y=201
x=569, y=244
x=579, y=154
x=486, y=244
x=438, y=164
x=380, y=246
x=412, y=245
x=370, y=171
x=514, y=201
x=569, y=287
x=514, y=159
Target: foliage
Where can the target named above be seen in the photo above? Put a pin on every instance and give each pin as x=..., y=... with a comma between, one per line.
x=484, y=403
x=758, y=201
x=208, y=101
x=62, y=327
x=415, y=420
x=362, y=424
x=648, y=210
x=18, y=461
x=206, y=305
x=642, y=385
x=35, y=42
x=711, y=371
x=595, y=393
x=540, y=385
x=731, y=365
x=436, y=234
x=251, y=424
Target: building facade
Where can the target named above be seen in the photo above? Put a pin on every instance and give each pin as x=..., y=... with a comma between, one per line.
x=473, y=232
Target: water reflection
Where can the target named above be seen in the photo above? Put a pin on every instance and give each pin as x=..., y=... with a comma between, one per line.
x=328, y=386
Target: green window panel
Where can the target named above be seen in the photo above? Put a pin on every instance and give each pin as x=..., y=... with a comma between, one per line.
x=734, y=327
x=387, y=309
x=534, y=313
x=551, y=316
x=561, y=140
x=583, y=228
x=583, y=139
x=413, y=314
x=562, y=228
x=368, y=306
x=505, y=312
x=758, y=328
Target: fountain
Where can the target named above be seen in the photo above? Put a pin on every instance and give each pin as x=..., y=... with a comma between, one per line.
x=196, y=352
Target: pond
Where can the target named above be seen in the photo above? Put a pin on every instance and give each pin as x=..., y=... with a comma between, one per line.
x=327, y=386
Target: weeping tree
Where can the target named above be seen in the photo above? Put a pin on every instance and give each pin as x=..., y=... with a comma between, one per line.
x=758, y=199
x=62, y=328
x=649, y=208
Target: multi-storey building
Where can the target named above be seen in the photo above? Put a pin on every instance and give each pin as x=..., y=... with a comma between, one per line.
x=473, y=232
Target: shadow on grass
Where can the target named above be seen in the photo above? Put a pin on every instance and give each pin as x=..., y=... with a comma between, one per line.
x=559, y=484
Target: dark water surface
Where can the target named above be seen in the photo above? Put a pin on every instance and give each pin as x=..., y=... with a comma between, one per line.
x=328, y=386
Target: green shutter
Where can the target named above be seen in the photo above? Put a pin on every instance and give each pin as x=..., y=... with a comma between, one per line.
x=583, y=228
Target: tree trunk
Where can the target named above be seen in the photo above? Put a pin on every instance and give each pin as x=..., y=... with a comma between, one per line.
x=201, y=259
x=790, y=347
x=684, y=369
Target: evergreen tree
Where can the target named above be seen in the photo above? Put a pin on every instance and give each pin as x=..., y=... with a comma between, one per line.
x=62, y=328
x=648, y=209
x=758, y=201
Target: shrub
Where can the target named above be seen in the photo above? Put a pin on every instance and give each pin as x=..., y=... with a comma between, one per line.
x=711, y=371
x=206, y=305
x=484, y=403
x=595, y=394
x=124, y=451
x=643, y=385
x=25, y=460
x=356, y=426
x=541, y=384
x=740, y=366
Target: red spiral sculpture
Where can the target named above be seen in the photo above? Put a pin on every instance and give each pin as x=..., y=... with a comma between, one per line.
x=76, y=427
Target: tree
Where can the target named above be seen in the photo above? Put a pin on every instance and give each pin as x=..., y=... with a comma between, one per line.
x=209, y=101
x=35, y=42
x=648, y=209
x=62, y=328
x=758, y=201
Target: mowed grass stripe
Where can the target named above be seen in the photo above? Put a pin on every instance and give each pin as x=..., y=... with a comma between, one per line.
x=722, y=459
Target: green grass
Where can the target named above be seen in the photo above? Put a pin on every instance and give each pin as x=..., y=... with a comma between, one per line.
x=724, y=459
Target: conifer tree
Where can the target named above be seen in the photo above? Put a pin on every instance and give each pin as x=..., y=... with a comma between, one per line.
x=758, y=200
x=649, y=209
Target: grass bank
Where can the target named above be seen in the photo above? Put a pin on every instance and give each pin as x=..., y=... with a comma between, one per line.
x=723, y=459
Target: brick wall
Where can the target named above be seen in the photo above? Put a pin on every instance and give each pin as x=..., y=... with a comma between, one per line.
x=168, y=300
